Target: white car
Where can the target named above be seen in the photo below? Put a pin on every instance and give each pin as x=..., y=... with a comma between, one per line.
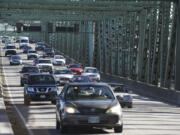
x=63, y=76
x=32, y=54
x=59, y=60
x=92, y=72
x=45, y=65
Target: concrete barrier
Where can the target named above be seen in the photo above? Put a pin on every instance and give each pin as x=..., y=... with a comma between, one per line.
x=144, y=89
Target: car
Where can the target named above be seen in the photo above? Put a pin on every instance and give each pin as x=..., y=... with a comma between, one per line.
x=88, y=105
x=76, y=68
x=44, y=65
x=80, y=78
x=59, y=60
x=123, y=94
x=23, y=41
x=15, y=60
x=26, y=49
x=26, y=71
x=10, y=50
x=32, y=54
x=32, y=41
x=4, y=38
x=63, y=76
x=40, y=46
x=48, y=52
x=40, y=87
x=92, y=72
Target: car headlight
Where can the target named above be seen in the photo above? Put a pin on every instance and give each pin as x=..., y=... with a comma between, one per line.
x=71, y=110
x=115, y=110
x=30, y=89
x=127, y=98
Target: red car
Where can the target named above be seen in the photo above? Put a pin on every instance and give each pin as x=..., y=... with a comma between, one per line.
x=76, y=68
x=80, y=78
x=26, y=71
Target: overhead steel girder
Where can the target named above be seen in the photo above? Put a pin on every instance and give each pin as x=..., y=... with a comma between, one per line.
x=75, y=5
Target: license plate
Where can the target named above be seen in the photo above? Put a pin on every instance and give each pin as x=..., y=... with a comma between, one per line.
x=42, y=96
x=93, y=120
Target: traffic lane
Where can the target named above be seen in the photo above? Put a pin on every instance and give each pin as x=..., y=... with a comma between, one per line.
x=39, y=116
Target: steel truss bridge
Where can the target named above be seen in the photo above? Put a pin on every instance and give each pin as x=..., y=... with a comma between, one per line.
x=135, y=39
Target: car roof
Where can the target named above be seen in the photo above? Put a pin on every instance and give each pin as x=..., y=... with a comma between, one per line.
x=89, y=83
x=37, y=74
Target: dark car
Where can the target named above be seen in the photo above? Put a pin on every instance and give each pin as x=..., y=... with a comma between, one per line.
x=48, y=52
x=26, y=49
x=32, y=54
x=26, y=71
x=88, y=105
x=123, y=94
x=40, y=46
x=40, y=87
x=15, y=60
x=76, y=68
x=10, y=50
x=80, y=78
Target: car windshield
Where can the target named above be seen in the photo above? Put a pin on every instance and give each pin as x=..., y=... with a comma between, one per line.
x=48, y=50
x=90, y=70
x=63, y=72
x=32, y=51
x=89, y=93
x=30, y=70
x=16, y=57
x=11, y=47
x=41, y=79
x=81, y=79
x=44, y=61
x=27, y=47
x=120, y=89
x=24, y=41
x=75, y=66
x=59, y=57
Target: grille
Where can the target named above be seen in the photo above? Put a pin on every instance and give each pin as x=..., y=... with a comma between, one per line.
x=64, y=79
x=91, y=111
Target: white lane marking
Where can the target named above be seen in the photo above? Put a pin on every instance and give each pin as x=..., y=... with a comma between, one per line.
x=9, y=92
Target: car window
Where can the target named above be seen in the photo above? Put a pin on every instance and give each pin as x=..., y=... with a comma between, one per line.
x=59, y=57
x=24, y=41
x=10, y=47
x=75, y=66
x=81, y=79
x=89, y=93
x=90, y=70
x=44, y=61
x=41, y=79
x=30, y=70
x=16, y=57
x=63, y=72
x=32, y=51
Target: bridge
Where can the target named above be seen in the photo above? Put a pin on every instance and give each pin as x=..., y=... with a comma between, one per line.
x=131, y=41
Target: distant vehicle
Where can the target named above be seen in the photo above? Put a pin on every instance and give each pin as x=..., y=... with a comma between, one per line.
x=92, y=72
x=44, y=65
x=48, y=52
x=63, y=76
x=122, y=94
x=32, y=54
x=10, y=50
x=80, y=78
x=23, y=41
x=40, y=87
x=76, y=68
x=15, y=60
x=26, y=49
x=26, y=71
x=59, y=60
x=88, y=105
x=40, y=46
x=32, y=41
x=4, y=38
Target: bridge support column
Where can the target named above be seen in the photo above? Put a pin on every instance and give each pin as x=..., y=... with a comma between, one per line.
x=177, y=56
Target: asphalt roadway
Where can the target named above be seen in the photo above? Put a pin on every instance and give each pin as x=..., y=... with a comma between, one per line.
x=147, y=117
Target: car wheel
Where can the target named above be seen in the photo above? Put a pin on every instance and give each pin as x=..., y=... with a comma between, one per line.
x=57, y=124
x=28, y=58
x=22, y=84
x=26, y=101
x=118, y=129
x=130, y=106
x=62, y=128
x=10, y=63
x=53, y=102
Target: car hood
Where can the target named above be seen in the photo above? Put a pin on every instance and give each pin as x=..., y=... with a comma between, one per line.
x=46, y=64
x=59, y=60
x=100, y=104
x=64, y=76
x=89, y=74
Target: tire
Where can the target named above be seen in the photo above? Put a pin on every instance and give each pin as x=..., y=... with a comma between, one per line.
x=63, y=129
x=28, y=58
x=57, y=124
x=53, y=102
x=22, y=84
x=130, y=106
x=26, y=101
x=118, y=129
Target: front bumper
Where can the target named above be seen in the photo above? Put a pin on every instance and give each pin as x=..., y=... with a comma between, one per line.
x=105, y=120
x=51, y=96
